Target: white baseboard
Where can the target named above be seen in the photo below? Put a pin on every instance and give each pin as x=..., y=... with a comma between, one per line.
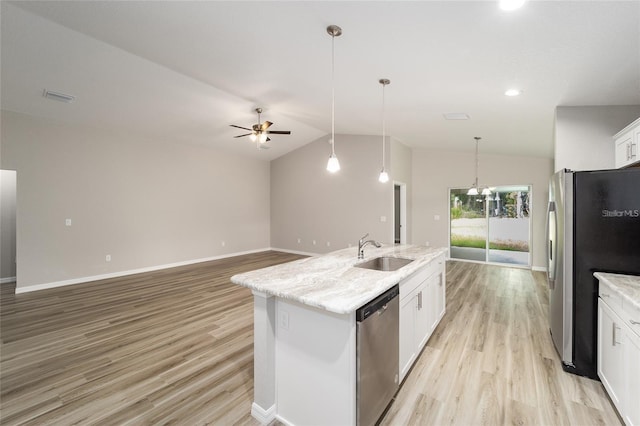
x=539, y=268
x=81, y=280
x=263, y=416
x=303, y=253
x=7, y=280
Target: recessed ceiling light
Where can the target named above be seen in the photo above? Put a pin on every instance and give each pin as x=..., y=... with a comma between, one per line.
x=456, y=116
x=57, y=96
x=512, y=92
x=511, y=4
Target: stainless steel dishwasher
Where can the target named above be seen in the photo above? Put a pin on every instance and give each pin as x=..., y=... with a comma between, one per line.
x=377, y=349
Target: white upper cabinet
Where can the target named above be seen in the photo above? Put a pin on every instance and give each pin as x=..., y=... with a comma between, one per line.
x=626, y=145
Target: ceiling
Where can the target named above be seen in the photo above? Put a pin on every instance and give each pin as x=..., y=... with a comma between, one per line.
x=184, y=71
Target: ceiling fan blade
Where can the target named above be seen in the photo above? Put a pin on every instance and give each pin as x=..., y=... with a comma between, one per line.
x=279, y=132
x=239, y=127
x=266, y=125
x=239, y=136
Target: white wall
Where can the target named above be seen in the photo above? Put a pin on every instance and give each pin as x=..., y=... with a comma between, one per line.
x=7, y=225
x=146, y=203
x=584, y=135
x=435, y=172
x=309, y=203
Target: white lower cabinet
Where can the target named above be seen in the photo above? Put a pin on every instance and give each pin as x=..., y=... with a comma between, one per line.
x=619, y=353
x=632, y=369
x=610, y=355
x=422, y=305
x=407, y=353
x=438, y=298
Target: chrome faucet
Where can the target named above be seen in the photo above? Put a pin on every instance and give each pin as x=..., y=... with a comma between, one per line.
x=362, y=243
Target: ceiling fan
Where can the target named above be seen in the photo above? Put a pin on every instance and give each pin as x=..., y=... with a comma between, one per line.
x=259, y=132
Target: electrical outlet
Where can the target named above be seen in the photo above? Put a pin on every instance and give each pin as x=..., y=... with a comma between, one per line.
x=67, y=222
x=383, y=218
x=313, y=242
x=436, y=217
x=223, y=243
x=299, y=240
x=328, y=244
x=108, y=258
x=427, y=243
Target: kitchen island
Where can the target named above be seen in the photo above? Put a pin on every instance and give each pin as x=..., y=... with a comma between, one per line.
x=305, y=328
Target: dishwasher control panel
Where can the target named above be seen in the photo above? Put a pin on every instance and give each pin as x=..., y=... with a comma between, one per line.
x=376, y=304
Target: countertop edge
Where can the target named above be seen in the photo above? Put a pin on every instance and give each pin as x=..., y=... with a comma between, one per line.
x=627, y=286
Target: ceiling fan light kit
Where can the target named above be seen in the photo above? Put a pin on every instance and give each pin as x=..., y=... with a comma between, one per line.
x=260, y=132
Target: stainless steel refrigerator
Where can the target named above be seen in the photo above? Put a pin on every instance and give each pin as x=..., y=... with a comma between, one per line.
x=593, y=224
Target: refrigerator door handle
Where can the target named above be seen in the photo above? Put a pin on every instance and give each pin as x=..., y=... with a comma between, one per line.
x=552, y=216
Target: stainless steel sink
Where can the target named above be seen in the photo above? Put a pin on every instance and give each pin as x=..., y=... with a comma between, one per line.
x=384, y=263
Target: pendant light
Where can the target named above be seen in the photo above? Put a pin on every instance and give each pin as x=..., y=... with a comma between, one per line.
x=333, y=165
x=474, y=190
x=384, y=176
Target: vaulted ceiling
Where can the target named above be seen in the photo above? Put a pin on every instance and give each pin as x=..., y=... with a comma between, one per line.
x=184, y=71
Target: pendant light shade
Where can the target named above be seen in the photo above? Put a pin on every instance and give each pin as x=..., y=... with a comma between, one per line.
x=475, y=189
x=384, y=176
x=333, y=165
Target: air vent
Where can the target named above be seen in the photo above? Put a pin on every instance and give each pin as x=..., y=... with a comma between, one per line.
x=57, y=96
x=456, y=116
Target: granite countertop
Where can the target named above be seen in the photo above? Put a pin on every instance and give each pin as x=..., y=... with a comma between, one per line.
x=330, y=281
x=628, y=286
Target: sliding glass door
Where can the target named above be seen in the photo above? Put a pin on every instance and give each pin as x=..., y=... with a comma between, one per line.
x=468, y=218
x=493, y=228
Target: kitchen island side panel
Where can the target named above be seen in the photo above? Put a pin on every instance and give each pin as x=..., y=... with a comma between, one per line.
x=315, y=365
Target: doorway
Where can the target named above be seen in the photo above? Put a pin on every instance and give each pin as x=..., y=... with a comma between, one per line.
x=493, y=228
x=399, y=213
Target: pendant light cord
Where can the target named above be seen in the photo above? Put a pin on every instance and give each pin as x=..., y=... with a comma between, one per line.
x=477, y=161
x=333, y=97
x=383, y=127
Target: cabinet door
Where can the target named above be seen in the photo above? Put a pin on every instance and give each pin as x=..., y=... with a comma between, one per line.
x=407, y=352
x=439, y=298
x=631, y=406
x=634, y=145
x=610, y=353
x=424, y=313
x=623, y=149
x=433, y=302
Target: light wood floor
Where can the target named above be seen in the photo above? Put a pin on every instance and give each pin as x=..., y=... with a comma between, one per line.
x=491, y=360
x=175, y=347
